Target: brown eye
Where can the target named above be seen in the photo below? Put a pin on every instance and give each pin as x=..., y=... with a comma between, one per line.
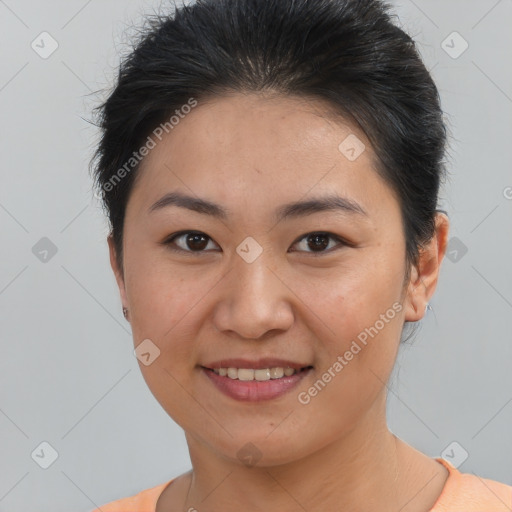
x=196, y=242
x=318, y=242
x=188, y=241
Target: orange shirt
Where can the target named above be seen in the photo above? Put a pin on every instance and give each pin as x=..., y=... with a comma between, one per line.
x=462, y=492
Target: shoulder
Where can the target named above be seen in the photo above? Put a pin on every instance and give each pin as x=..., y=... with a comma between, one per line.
x=144, y=501
x=471, y=493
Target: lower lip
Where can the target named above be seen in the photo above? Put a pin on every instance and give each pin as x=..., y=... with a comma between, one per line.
x=254, y=390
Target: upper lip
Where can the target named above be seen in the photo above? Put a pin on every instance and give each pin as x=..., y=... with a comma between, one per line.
x=264, y=362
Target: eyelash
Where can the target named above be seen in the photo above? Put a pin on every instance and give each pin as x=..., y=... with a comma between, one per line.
x=169, y=242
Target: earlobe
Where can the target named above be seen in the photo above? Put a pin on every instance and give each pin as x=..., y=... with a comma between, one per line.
x=424, y=277
x=412, y=311
x=118, y=272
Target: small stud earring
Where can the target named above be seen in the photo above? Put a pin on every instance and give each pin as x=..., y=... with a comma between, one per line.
x=125, y=313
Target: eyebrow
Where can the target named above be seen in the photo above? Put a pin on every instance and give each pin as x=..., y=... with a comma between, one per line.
x=286, y=211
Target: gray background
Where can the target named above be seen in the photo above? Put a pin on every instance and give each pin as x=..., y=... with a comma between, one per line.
x=67, y=371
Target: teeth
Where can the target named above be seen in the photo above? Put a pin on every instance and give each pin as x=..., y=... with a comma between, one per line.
x=276, y=373
x=260, y=374
x=244, y=374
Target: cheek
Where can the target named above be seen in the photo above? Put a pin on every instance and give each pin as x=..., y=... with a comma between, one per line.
x=350, y=298
x=161, y=294
x=358, y=356
x=356, y=314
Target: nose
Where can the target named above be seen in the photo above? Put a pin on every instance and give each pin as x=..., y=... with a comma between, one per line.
x=254, y=301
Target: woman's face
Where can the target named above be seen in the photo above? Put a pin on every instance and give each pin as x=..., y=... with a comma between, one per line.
x=257, y=285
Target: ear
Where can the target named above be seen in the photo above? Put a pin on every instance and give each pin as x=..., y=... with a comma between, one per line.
x=424, y=277
x=118, y=272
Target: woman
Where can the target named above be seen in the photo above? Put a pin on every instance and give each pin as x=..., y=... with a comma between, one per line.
x=271, y=171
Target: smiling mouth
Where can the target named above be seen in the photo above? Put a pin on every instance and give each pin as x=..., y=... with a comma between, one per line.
x=257, y=374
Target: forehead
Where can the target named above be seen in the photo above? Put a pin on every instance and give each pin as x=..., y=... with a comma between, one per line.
x=289, y=125
x=248, y=148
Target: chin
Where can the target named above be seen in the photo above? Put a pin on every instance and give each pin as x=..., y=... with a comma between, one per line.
x=261, y=449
